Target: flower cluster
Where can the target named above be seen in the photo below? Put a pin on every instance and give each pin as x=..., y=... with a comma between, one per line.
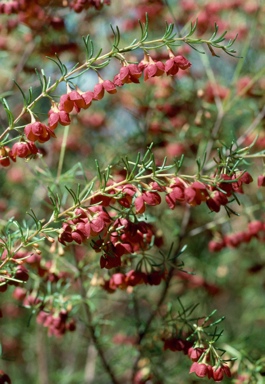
x=16, y=6
x=56, y=320
x=197, y=192
x=22, y=149
x=202, y=365
x=75, y=100
x=6, y=156
x=129, y=73
x=125, y=237
x=217, y=373
x=89, y=222
x=255, y=229
x=131, y=279
x=80, y=5
x=57, y=324
x=118, y=236
x=18, y=274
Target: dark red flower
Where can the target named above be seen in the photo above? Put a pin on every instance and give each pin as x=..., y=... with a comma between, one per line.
x=110, y=261
x=177, y=344
x=4, y=378
x=134, y=278
x=215, y=201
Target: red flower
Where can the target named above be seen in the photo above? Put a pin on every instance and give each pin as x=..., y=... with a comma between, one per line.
x=128, y=191
x=176, y=193
x=195, y=353
x=201, y=370
x=37, y=131
x=22, y=273
x=196, y=193
x=215, y=246
x=117, y=281
x=147, y=197
x=5, y=156
x=58, y=117
x=88, y=97
x=216, y=200
x=101, y=87
x=177, y=344
x=155, y=277
x=220, y=372
x=174, y=63
x=261, y=181
x=182, y=62
x=134, y=278
x=110, y=261
x=255, y=226
x=24, y=149
x=151, y=68
x=128, y=74
x=71, y=100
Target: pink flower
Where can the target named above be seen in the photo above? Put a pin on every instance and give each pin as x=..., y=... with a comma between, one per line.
x=201, y=370
x=88, y=97
x=261, y=181
x=151, y=68
x=128, y=74
x=71, y=100
x=58, y=117
x=195, y=353
x=101, y=87
x=174, y=63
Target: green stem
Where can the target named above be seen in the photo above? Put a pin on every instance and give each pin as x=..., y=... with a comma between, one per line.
x=62, y=153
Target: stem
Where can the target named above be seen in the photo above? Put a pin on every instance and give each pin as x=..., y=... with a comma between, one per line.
x=219, y=106
x=93, y=334
x=41, y=351
x=90, y=365
x=163, y=295
x=62, y=153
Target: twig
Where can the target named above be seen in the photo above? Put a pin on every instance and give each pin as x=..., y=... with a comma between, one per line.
x=163, y=295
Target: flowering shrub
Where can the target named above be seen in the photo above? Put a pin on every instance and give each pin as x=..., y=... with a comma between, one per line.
x=132, y=191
